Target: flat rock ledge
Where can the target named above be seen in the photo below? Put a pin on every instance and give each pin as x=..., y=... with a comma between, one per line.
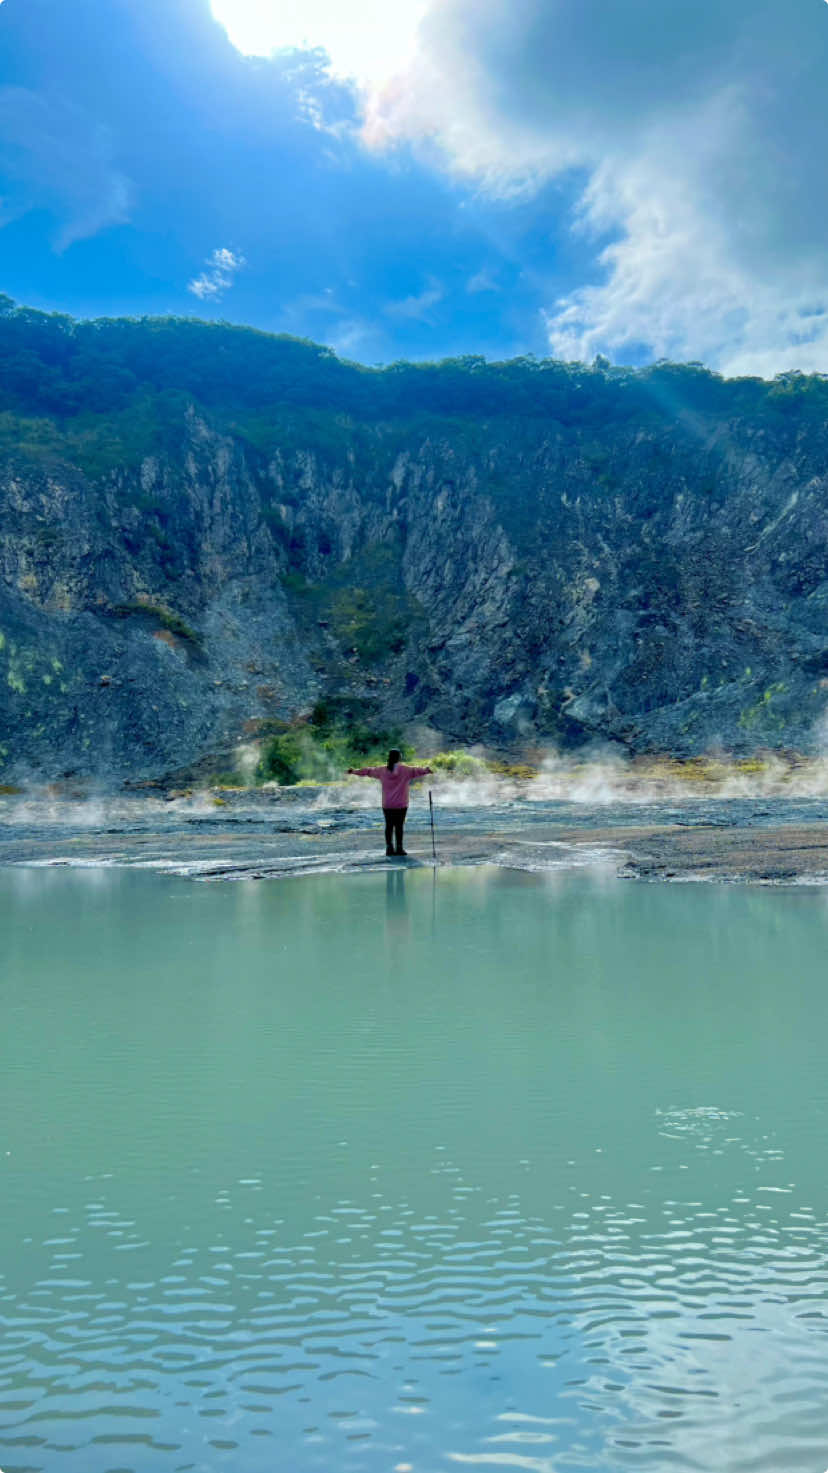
x=771, y=855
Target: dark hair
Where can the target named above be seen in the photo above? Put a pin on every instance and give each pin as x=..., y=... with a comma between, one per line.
x=394, y=756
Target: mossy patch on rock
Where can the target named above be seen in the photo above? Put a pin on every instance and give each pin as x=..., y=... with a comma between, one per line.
x=168, y=619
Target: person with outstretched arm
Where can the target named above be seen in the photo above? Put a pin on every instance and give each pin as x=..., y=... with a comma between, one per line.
x=395, y=778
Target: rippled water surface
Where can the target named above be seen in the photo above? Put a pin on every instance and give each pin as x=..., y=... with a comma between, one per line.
x=409, y=1172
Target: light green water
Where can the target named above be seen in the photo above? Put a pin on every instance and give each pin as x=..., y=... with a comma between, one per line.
x=379, y=1173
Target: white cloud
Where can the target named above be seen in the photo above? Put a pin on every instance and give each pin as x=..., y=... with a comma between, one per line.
x=203, y=287
x=365, y=41
x=701, y=132
x=55, y=157
x=222, y=267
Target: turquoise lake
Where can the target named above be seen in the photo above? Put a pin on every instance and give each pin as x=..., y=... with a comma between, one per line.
x=404, y=1172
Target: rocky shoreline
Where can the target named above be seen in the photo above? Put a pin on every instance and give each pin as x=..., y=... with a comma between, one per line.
x=731, y=843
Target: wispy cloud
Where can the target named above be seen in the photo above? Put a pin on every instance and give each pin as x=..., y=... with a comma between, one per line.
x=222, y=267
x=312, y=303
x=482, y=281
x=354, y=335
x=54, y=156
x=418, y=307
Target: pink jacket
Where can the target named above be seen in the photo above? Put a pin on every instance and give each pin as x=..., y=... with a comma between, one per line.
x=394, y=783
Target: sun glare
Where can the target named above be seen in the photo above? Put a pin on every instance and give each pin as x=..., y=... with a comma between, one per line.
x=366, y=40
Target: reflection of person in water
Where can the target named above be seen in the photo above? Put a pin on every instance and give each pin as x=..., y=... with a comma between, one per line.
x=395, y=778
x=397, y=915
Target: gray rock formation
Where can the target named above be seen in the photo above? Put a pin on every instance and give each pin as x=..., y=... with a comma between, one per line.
x=512, y=581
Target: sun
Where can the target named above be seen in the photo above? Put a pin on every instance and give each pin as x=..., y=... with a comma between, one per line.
x=367, y=41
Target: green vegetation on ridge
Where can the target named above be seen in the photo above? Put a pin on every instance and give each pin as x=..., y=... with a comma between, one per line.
x=134, y=372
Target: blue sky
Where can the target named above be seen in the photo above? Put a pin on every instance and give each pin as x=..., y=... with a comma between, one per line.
x=559, y=177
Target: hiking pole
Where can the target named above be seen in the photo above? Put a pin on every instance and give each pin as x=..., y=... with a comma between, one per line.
x=431, y=813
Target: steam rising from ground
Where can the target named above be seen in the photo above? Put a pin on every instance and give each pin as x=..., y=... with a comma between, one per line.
x=612, y=779
x=606, y=778
x=600, y=780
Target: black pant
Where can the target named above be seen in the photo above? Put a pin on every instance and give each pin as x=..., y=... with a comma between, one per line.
x=394, y=820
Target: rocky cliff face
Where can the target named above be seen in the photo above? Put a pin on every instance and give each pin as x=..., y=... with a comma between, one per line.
x=506, y=581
